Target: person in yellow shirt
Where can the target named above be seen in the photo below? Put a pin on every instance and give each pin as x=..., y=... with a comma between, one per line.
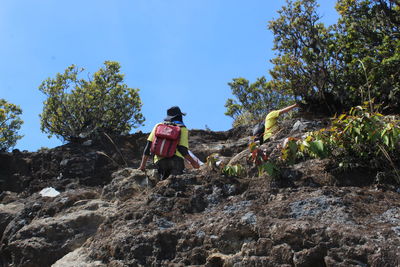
x=270, y=125
x=175, y=164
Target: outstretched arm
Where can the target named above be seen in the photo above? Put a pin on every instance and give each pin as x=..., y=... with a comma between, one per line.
x=145, y=157
x=192, y=161
x=185, y=153
x=287, y=109
x=142, y=166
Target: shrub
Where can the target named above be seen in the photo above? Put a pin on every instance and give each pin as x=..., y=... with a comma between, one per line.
x=363, y=136
x=10, y=123
x=236, y=170
x=77, y=108
x=215, y=164
x=252, y=102
x=264, y=164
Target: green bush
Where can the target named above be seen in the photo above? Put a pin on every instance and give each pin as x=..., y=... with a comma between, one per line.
x=334, y=68
x=10, y=123
x=245, y=119
x=264, y=164
x=213, y=163
x=236, y=170
x=253, y=101
x=362, y=136
x=77, y=108
x=330, y=68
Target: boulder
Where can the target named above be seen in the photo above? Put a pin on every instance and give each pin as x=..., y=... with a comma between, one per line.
x=7, y=213
x=126, y=183
x=78, y=258
x=58, y=235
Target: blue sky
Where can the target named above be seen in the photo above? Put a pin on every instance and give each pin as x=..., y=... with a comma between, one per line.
x=177, y=52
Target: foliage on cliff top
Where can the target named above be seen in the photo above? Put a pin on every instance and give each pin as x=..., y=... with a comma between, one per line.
x=10, y=123
x=362, y=137
x=76, y=108
x=331, y=68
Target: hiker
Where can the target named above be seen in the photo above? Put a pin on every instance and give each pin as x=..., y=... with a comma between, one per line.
x=171, y=135
x=263, y=132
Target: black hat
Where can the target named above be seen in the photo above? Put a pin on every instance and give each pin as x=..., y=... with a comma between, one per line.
x=174, y=112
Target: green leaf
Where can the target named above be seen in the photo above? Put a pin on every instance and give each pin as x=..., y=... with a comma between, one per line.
x=102, y=104
x=318, y=148
x=386, y=140
x=271, y=169
x=10, y=123
x=341, y=117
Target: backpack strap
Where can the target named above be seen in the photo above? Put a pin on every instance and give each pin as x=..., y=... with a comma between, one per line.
x=178, y=123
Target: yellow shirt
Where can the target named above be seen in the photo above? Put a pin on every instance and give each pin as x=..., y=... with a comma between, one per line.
x=271, y=124
x=183, y=141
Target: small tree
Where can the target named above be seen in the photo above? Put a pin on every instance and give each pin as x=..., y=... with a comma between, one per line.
x=368, y=35
x=10, y=123
x=343, y=65
x=78, y=108
x=253, y=101
x=306, y=64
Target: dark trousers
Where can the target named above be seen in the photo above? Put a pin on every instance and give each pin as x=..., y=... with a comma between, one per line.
x=167, y=166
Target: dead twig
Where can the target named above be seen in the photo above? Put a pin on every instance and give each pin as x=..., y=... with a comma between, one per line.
x=386, y=154
x=116, y=148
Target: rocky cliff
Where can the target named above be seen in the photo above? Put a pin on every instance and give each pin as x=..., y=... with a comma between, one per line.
x=106, y=213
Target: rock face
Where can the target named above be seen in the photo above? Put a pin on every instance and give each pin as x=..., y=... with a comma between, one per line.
x=66, y=166
x=110, y=214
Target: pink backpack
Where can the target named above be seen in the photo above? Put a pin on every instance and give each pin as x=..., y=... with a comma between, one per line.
x=166, y=140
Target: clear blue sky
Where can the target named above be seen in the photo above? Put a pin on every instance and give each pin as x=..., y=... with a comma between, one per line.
x=177, y=52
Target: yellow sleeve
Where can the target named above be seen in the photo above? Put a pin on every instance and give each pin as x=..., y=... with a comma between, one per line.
x=271, y=124
x=272, y=115
x=271, y=119
x=184, y=139
x=152, y=135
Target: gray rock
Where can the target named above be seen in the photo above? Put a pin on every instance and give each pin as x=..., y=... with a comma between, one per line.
x=327, y=208
x=77, y=258
x=236, y=207
x=8, y=212
x=57, y=236
x=87, y=143
x=391, y=216
x=125, y=184
x=396, y=230
x=249, y=218
x=64, y=162
x=163, y=223
x=299, y=126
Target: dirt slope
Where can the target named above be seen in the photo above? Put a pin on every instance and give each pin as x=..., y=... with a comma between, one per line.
x=110, y=214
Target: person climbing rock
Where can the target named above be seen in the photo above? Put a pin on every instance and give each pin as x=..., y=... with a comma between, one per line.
x=168, y=142
x=263, y=132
